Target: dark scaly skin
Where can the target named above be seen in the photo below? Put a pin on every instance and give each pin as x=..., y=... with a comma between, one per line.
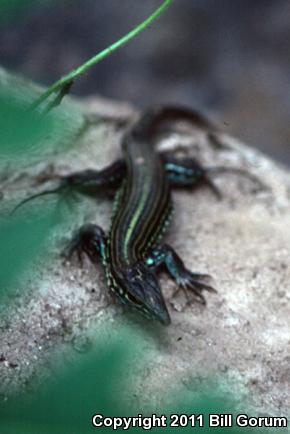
x=131, y=253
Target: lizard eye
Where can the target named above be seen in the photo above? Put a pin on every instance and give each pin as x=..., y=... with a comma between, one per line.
x=133, y=299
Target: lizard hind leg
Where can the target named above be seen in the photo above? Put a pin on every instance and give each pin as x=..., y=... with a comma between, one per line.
x=188, y=173
x=34, y=196
x=87, y=182
x=220, y=170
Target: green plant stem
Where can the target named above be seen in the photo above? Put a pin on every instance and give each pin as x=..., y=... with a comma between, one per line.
x=68, y=79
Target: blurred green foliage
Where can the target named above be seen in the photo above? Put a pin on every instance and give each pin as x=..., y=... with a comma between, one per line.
x=9, y=8
x=25, y=138
x=98, y=383
x=22, y=130
x=67, y=404
x=23, y=238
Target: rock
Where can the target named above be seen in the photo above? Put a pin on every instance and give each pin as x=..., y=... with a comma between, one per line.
x=242, y=334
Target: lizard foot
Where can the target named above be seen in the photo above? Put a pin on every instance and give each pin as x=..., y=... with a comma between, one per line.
x=192, y=285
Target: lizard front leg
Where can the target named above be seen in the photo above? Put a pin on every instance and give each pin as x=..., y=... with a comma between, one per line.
x=164, y=255
x=89, y=239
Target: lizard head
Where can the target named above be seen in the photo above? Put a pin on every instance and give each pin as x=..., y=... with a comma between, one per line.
x=140, y=290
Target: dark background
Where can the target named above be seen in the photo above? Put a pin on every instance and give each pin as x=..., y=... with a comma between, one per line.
x=228, y=58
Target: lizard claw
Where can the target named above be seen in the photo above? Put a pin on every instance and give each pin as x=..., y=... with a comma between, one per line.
x=194, y=283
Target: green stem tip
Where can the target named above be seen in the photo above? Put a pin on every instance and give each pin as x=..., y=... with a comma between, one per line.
x=66, y=81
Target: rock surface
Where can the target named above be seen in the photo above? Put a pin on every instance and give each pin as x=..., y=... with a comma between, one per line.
x=243, y=334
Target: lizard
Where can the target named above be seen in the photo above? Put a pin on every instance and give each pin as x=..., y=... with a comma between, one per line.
x=132, y=252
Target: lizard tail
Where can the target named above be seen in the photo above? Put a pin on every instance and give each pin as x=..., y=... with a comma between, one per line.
x=158, y=120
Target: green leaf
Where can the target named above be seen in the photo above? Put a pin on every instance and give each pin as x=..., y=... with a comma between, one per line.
x=8, y=8
x=22, y=130
x=100, y=382
x=28, y=136
x=23, y=238
x=68, y=401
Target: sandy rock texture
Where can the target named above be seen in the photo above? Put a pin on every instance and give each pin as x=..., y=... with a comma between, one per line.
x=243, y=241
